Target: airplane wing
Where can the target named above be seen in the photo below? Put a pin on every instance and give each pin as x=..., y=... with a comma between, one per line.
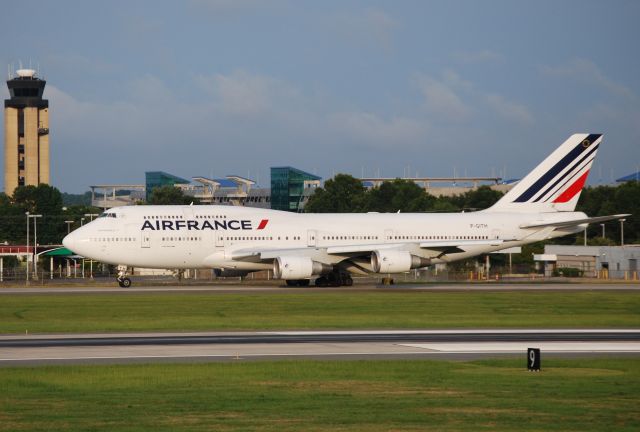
x=574, y=222
x=442, y=246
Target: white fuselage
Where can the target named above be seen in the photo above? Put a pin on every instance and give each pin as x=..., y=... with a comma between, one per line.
x=226, y=237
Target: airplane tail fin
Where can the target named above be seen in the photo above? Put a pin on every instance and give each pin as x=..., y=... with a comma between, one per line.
x=555, y=184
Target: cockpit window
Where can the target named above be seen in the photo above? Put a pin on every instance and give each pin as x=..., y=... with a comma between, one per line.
x=107, y=214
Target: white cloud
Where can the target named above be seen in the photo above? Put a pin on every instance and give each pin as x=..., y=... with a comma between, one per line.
x=456, y=99
x=441, y=99
x=508, y=109
x=242, y=93
x=588, y=72
x=150, y=89
x=372, y=130
x=452, y=79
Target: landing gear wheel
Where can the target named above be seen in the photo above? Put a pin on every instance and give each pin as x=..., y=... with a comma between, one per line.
x=298, y=282
x=347, y=281
x=124, y=282
x=322, y=282
x=334, y=279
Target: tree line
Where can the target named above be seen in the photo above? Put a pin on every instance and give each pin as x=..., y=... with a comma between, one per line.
x=44, y=200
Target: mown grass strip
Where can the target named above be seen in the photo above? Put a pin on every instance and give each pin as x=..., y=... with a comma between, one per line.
x=313, y=310
x=570, y=395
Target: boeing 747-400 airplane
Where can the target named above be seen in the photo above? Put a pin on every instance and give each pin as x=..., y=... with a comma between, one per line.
x=331, y=247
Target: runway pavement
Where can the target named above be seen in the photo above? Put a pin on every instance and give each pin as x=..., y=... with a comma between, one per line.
x=439, y=344
x=240, y=288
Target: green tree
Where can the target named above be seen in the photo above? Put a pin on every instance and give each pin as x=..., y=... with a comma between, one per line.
x=341, y=194
x=10, y=218
x=170, y=195
x=607, y=200
x=399, y=195
x=38, y=199
x=44, y=200
x=481, y=198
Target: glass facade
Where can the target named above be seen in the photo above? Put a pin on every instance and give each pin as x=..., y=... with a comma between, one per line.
x=154, y=179
x=288, y=187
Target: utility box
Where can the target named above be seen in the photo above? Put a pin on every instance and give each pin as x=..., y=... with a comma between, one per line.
x=533, y=359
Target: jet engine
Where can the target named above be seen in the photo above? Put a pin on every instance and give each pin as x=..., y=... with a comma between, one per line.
x=393, y=261
x=294, y=267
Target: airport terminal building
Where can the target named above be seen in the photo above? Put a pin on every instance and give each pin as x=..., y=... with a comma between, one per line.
x=290, y=190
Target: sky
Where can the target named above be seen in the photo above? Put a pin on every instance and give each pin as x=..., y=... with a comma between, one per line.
x=381, y=88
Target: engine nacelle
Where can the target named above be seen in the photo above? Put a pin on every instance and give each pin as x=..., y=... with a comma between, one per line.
x=230, y=273
x=295, y=267
x=393, y=261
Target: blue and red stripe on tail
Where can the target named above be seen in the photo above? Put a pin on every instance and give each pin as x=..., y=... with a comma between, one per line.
x=555, y=184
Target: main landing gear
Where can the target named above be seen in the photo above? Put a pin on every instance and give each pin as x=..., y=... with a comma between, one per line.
x=298, y=282
x=122, y=279
x=334, y=279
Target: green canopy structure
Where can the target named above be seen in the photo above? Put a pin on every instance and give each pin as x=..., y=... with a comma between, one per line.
x=61, y=252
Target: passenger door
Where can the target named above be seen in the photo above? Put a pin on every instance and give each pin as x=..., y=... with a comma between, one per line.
x=311, y=238
x=145, y=238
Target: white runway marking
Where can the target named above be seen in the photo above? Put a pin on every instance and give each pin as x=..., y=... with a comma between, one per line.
x=518, y=347
x=450, y=331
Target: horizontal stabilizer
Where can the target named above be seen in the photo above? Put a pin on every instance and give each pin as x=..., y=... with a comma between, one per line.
x=574, y=222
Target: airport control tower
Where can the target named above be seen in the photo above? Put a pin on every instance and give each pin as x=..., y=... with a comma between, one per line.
x=26, y=132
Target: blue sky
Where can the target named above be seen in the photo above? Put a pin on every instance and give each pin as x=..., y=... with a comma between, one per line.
x=216, y=87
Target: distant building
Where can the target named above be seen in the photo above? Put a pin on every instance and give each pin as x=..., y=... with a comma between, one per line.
x=617, y=261
x=26, y=132
x=291, y=188
x=630, y=177
x=232, y=190
x=446, y=186
x=155, y=179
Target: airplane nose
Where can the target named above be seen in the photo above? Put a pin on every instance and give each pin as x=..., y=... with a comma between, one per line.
x=70, y=241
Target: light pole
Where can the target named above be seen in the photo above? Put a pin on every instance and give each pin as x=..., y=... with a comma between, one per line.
x=28, y=257
x=35, y=243
x=90, y=216
x=602, y=225
x=69, y=222
x=81, y=221
x=622, y=221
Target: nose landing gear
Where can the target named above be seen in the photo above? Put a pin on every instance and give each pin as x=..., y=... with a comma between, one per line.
x=122, y=278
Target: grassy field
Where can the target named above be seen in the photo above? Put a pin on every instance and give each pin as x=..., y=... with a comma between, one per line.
x=574, y=395
x=317, y=310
